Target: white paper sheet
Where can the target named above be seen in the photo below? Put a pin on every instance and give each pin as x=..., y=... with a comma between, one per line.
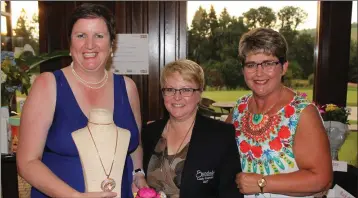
x=131, y=55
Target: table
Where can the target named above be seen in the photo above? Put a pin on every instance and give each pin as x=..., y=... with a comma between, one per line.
x=227, y=105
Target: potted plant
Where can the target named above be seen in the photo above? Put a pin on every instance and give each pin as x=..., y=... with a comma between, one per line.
x=17, y=68
x=336, y=124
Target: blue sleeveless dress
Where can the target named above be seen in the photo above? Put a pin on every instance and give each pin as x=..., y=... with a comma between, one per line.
x=60, y=153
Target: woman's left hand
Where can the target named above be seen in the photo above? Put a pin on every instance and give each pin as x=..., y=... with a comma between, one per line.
x=247, y=182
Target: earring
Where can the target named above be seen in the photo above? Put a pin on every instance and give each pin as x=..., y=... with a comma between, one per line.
x=70, y=54
x=112, y=54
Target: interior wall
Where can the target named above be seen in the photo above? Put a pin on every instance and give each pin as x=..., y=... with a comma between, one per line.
x=164, y=21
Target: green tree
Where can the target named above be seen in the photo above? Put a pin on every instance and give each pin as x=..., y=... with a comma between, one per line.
x=260, y=17
x=231, y=72
x=291, y=17
x=198, y=36
x=213, y=34
x=251, y=18
x=353, y=62
x=267, y=17
x=302, y=51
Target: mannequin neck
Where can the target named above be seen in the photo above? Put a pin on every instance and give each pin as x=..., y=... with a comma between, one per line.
x=100, y=116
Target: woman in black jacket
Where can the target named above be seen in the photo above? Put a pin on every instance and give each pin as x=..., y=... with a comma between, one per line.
x=188, y=155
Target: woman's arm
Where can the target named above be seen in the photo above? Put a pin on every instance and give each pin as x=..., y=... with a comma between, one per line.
x=312, y=155
x=36, y=119
x=229, y=118
x=137, y=155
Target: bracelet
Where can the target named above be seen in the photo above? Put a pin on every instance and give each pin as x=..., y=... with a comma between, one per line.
x=139, y=170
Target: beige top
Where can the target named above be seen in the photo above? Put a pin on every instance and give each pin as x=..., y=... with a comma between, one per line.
x=165, y=171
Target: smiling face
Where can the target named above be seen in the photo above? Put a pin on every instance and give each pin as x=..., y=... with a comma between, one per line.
x=179, y=107
x=90, y=43
x=260, y=82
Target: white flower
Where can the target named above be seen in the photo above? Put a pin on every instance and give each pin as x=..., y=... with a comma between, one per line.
x=28, y=48
x=3, y=77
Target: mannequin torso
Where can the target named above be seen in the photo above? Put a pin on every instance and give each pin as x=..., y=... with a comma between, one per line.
x=100, y=144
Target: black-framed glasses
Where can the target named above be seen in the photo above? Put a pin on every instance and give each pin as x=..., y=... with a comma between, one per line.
x=267, y=66
x=186, y=92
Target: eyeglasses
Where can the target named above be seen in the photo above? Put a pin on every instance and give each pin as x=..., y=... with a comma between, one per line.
x=186, y=92
x=267, y=66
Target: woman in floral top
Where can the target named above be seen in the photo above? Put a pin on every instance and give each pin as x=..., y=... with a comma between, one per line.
x=282, y=143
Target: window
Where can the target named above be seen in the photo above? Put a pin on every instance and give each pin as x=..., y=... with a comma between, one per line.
x=5, y=26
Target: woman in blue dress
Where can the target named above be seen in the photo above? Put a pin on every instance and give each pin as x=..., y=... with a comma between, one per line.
x=59, y=103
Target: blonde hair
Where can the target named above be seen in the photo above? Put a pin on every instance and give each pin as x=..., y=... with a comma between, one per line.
x=189, y=70
x=263, y=40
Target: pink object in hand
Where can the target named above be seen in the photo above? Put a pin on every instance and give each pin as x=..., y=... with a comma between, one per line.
x=147, y=193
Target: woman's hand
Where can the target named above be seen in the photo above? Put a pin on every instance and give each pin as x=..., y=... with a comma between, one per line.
x=96, y=194
x=139, y=181
x=247, y=182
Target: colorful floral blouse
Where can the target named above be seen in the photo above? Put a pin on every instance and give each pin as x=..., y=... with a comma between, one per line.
x=265, y=142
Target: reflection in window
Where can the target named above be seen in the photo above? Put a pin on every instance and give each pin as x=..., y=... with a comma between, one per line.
x=24, y=25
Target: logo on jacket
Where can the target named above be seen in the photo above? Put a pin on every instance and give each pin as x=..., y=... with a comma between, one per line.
x=204, y=176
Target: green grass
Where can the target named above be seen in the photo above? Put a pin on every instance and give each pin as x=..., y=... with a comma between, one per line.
x=349, y=151
x=234, y=95
x=353, y=121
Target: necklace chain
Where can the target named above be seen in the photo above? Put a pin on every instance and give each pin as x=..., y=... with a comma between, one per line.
x=171, y=161
x=100, y=159
x=265, y=112
x=88, y=84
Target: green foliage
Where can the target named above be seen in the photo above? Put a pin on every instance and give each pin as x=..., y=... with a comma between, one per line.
x=353, y=62
x=213, y=43
x=295, y=69
x=16, y=71
x=231, y=72
x=354, y=31
x=260, y=17
x=302, y=51
x=291, y=17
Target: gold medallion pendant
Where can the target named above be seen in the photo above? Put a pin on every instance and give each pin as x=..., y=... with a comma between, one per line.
x=108, y=185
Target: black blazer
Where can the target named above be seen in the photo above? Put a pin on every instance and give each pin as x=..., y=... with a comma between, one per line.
x=212, y=149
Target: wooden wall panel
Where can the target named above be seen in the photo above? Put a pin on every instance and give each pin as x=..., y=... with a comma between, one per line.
x=164, y=21
x=332, y=52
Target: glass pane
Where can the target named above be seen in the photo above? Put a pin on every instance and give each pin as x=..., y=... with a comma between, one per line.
x=27, y=11
x=3, y=25
x=3, y=5
x=215, y=29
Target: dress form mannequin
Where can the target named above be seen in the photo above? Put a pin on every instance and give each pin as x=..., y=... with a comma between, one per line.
x=97, y=142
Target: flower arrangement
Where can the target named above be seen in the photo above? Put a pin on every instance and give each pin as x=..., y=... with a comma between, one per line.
x=17, y=68
x=332, y=112
x=149, y=193
x=13, y=77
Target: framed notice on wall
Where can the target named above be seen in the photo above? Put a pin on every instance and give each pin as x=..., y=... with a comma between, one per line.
x=131, y=56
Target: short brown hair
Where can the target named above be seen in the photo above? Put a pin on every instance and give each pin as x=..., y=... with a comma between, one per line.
x=263, y=40
x=90, y=10
x=189, y=70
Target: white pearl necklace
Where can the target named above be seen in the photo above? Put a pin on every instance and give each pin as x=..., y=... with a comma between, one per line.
x=88, y=84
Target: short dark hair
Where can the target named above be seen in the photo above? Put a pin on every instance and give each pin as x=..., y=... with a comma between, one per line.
x=263, y=40
x=90, y=10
